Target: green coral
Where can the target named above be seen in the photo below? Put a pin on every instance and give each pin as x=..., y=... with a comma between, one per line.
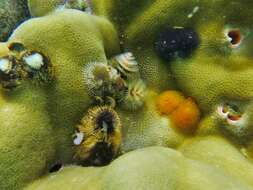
x=236, y=164
x=12, y=13
x=76, y=177
x=20, y=165
x=148, y=128
x=215, y=71
x=150, y=168
x=123, y=13
x=215, y=74
x=40, y=8
x=68, y=53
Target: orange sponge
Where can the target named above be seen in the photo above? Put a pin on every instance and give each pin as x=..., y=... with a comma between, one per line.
x=168, y=101
x=186, y=116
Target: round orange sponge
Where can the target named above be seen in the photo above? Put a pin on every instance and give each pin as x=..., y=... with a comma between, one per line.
x=168, y=101
x=186, y=116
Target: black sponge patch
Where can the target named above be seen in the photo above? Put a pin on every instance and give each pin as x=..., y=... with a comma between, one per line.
x=176, y=42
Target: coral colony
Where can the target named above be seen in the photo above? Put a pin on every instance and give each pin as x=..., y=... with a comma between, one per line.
x=126, y=94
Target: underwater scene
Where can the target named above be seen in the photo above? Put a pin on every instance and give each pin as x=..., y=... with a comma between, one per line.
x=126, y=95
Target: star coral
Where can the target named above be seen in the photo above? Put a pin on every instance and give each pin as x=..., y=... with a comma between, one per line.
x=68, y=55
x=168, y=169
x=219, y=70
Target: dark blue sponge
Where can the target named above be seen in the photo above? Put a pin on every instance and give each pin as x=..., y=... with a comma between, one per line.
x=176, y=42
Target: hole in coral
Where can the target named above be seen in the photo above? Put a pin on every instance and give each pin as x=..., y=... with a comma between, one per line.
x=55, y=168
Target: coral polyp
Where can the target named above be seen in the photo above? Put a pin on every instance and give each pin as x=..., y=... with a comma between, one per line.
x=98, y=138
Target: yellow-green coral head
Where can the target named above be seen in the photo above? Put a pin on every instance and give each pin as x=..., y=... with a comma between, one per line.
x=222, y=65
x=38, y=111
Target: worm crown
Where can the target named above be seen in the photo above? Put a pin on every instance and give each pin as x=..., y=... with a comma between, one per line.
x=98, y=138
x=116, y=82
x=126, y=64
x=135, y=96
x=103, y=82
x=234, y=119
x=22, y=64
